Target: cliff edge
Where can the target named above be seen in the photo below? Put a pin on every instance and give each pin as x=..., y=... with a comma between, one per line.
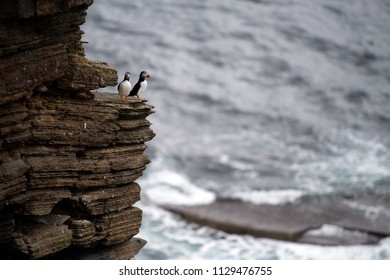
x=68, y=158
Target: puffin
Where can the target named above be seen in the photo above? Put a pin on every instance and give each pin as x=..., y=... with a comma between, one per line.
x=140, y=86
x=124, y=88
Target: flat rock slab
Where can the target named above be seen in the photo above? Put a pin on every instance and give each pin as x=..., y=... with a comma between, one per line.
x=245, y=218
x=114, y=97
x=352, y=220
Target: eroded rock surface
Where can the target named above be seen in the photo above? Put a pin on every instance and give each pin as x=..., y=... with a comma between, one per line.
x=68, y=157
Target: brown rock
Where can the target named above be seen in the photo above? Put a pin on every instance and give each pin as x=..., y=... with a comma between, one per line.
x=12, y=177
x=41, y=202
x=78, y=3
x=13, y=168
x=108, y=200
x=21, y=9
x=7, y=224
x=108, y=179
x=38, y=240
x=51, y=219
x=87, y=75
x=119, y=226
x=66, y=157
x=122, y=251
x=47, y=7
x=52, y=180
x=83, y=233
x=53, y=58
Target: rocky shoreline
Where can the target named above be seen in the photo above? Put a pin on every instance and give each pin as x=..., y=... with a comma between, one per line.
x=323, y=220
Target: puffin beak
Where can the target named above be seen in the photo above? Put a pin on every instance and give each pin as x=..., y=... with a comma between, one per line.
x=148, y=75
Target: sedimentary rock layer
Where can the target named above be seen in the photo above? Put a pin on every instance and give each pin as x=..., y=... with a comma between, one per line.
x=68, y=157
x=80, y=166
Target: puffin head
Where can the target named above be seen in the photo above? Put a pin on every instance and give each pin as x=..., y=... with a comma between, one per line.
x=127, y=76
x=144, y=75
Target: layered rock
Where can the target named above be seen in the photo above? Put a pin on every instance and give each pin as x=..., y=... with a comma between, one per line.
x=68, y=157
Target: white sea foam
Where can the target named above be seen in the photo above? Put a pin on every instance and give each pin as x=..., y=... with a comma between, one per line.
x=268, y=196
x=169, y=187
x=355, y=164
x=339, y=233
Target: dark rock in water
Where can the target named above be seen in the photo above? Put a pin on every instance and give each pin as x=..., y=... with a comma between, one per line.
x=327, y=220
x=68, y=157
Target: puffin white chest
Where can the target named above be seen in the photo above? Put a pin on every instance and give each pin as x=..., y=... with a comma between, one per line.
x=124, y=88
x=143, y=86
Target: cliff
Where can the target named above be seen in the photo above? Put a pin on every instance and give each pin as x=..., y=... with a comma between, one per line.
x=68, y=157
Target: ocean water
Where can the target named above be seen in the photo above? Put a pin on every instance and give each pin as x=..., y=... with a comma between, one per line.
x=262, y=101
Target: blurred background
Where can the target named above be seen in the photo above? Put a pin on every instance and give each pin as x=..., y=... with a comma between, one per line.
x=262, y=101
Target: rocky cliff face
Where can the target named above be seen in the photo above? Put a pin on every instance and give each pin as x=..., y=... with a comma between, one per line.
x=68, y=158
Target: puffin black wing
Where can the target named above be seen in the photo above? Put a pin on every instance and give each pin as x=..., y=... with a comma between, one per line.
x=135, y=89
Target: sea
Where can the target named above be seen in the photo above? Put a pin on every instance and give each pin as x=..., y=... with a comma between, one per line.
x=262, y=101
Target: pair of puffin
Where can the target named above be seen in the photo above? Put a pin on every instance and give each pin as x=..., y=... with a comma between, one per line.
x=124, y=87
